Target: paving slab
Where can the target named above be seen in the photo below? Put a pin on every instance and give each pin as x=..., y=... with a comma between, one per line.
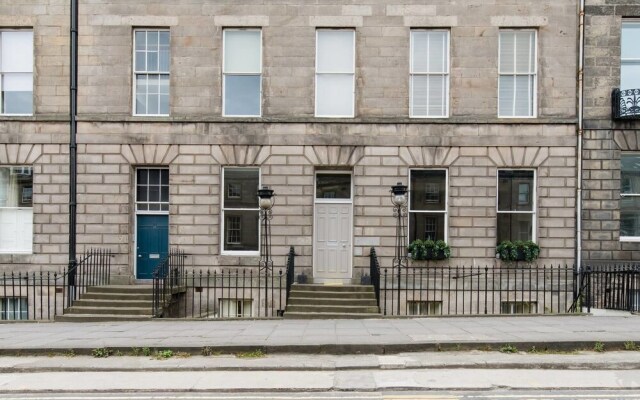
x=324, y=336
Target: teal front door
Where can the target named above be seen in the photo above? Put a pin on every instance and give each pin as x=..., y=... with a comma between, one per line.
x=152, y=243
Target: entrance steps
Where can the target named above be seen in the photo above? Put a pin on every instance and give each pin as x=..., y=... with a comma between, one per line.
x=111, y=303
x=317, y=301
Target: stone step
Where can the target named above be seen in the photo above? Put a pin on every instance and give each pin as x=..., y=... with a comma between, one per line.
x=130, y=289
x=117, y=296
x=330, y=295
x=332, y=288
x=112, y=303
x=100, y=317
x=333, y=309
x=131, y=311
x=321, y=315
x=332, y=302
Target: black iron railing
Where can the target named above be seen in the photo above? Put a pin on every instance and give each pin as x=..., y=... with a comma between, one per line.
x=291, y=270
x=625, y=104
x=167, y=279
x=611, y=287
x=42, y=295
x=232, y=293
x=374, y=273
x=475, y=290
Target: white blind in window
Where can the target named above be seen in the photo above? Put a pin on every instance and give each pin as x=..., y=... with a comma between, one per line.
x=242, y=51
x=17, y=51
x=517, y=70
x=335, y=51
x=429, y=73
x=630, y=56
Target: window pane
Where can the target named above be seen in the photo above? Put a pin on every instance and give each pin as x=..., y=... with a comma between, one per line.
x=17, y=51
x=333, y=186
x=154, y=176
x=16, y=229
x=335, y=51
x=247, y=181
x=630, y=174
x=17, y=93
x=425, y=226
x=16, y=187
x=525, y=42
x=515, y=190
x=164, y=52
x=429, y=96
x=630, y=41
x=507, y=50
x=515, y=227
x=524, y=95
x=242, y=95
x=143, y=175
x=242, y=232
x=507, y=96
x=141, y=193
x=630, y=216
x=334, y=95
x=141, y=61
x=152, y=41
x=630, y=75
x=428, y=190
x=141, y=40
x=430, y=51
x=242, y=51
x=152, y=61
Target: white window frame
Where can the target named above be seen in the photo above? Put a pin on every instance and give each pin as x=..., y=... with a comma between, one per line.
x=446, y=203
x=225, y=73
x=433, y=307
x=146, y=72
x=15, y=251
x=352, y=72
x=413, y=73
x=2, y=73
x=534, y=95
x=631, y=195
x=136, y=202
x=534, y=206
x=227, y=304
x=223, y=214
x=632, y=61
x=22, y=309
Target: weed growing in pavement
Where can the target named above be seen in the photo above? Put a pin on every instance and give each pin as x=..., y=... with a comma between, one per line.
x=69, y=353
x=598, y=346
x=208, y=351
x=546, y=350
x=101, y=352
x=146, y=351
x=257, y=353
x=182, y=354
x=163, y=354
x=631, y=346
x=507, y=348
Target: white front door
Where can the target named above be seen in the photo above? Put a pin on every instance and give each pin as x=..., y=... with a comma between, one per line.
x=332, y=249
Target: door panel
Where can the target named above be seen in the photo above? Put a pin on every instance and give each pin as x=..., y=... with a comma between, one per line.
x=332, y=241
x=152, y=243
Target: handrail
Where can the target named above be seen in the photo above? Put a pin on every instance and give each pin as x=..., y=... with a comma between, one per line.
x=166, y=277
x=374, y=271
x=291, y=265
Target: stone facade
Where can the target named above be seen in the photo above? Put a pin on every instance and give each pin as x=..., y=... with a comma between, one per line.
x=288, y=143
x=604, y=139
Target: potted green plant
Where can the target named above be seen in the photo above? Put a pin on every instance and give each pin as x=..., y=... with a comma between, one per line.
x=429, y=250
x=518, y=250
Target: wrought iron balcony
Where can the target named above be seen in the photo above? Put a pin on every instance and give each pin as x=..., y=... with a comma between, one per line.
x=626, y=104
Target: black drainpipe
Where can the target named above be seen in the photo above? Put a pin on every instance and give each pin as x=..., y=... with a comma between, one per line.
x=73, y=147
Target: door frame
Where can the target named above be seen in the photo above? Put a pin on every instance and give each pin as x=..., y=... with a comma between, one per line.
x=136, y=213
x=332, y=201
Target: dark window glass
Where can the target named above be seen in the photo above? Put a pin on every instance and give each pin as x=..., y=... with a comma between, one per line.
x=515, y=190
x=425, y=226
x=515, y=226
x=333, y=186
x=242, y=185
x=241, y=230
x=428, y=190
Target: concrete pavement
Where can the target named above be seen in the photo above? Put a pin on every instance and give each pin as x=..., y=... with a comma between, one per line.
x=372, y=336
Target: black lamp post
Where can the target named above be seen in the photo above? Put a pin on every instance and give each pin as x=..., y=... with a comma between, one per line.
x=399, y=200
x=266, y=200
